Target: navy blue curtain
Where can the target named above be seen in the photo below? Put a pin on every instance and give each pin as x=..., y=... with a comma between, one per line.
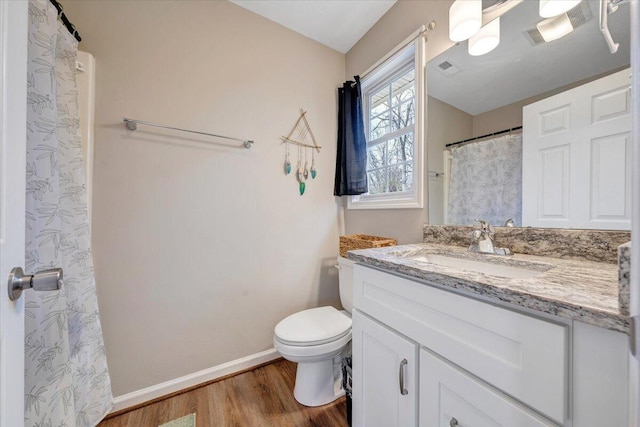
x=351, y=160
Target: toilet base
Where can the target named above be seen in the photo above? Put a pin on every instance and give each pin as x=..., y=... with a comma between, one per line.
x=319, y=383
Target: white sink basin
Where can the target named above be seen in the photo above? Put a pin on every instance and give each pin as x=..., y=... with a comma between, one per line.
x=474, y=266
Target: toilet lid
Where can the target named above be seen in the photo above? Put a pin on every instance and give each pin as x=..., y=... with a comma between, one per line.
x=313, y=327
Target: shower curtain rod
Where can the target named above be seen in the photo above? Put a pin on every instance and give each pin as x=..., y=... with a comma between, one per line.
x=132, y=124
x=65, y=20
x=483, y=136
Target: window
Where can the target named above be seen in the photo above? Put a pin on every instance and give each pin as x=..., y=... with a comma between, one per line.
x=390, y=123
x=393, y=119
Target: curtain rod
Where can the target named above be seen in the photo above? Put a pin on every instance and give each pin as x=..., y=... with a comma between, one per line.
x=483, y=136
x=61, y=16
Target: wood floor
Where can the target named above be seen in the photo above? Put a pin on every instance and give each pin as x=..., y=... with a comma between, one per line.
x=262, y=397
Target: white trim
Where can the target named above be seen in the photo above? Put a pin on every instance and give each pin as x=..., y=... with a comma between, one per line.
x=447, y=183
x=395, y=50
x=415, y=198
x=634, y=374
x=86, y=64
x=155, y=391
x=385, y=201
x=14, y=18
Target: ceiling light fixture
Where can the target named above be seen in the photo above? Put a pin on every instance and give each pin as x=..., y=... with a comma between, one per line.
x=465, y=19
x=487, y=39
x=551, y=8
x=554, y=28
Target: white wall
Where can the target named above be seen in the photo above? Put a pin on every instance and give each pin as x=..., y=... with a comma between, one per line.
x=200, y=249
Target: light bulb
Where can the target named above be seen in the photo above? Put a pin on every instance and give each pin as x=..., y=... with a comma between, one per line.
x=486, y=40
x=551, y=8
x=465, y=19
x=554, y=28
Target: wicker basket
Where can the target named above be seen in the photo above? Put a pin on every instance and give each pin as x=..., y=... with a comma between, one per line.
x=362, y=241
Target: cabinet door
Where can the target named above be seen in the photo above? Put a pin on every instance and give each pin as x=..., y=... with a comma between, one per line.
x=384, y=375
x=450, y=397
x=600, y=377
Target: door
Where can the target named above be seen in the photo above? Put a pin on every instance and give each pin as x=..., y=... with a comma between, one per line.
x=450, y=397
x=384, y=375
x=13, y=107
x=576, y=157
x=634, y=359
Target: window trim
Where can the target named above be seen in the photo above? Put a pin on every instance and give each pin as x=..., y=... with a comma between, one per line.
x=392, y=66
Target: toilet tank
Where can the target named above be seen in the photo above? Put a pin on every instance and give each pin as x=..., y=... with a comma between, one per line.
x=345, y=278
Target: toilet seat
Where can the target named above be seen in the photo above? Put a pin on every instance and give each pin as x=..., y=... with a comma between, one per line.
x=313, y=327
x=296, y=353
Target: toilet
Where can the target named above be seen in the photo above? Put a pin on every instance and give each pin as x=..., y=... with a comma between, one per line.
x=316, y=340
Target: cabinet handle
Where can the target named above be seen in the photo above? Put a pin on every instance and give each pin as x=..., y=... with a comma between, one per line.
x=403, y=390
x=453, y=422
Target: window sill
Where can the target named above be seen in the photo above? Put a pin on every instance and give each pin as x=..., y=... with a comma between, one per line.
x=384, y=203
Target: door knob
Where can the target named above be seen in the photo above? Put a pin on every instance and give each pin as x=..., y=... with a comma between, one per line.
x=45, y=280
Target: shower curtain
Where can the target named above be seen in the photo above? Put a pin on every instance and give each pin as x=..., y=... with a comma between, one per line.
x=486, y=182
x=66, y=378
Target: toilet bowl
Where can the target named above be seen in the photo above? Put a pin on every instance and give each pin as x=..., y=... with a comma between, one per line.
x=316, y=339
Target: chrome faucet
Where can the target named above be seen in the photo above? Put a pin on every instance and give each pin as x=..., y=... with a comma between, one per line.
x=484, y=238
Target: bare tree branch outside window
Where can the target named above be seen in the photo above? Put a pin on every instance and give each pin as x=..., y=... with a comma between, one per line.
x=391, y=131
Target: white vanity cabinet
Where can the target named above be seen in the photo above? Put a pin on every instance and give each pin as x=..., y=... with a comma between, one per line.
x=471, y=363
x=385, y=377
x=449, y=397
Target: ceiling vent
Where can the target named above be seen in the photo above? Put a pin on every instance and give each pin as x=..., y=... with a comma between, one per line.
x=579, y=15
x=534, y=36
x=447, y=68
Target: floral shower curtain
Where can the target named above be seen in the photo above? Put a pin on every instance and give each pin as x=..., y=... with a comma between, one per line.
x=486, y=181
x=66, y=378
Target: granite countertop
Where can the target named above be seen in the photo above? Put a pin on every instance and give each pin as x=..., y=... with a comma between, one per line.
x=586, y=291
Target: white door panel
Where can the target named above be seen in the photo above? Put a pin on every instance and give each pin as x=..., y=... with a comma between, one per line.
x=13, y=82
x=576, y=157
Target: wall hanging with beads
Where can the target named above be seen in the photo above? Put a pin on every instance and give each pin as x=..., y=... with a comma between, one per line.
x=298, y=136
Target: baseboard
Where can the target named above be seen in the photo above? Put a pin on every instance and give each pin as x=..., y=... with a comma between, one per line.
x=139, y=397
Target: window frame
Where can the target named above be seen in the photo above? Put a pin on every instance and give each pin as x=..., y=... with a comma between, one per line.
x=409, y=55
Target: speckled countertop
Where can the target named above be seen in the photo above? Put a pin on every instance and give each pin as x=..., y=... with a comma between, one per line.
x=581, y=290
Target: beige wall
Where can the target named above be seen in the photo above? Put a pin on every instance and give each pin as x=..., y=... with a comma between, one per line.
x=399, y=22
x=506, y=117
x=510, y=115
x=200, y=249
x=446, y=124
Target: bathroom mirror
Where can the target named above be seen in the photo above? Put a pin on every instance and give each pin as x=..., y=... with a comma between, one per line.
x=470, y=96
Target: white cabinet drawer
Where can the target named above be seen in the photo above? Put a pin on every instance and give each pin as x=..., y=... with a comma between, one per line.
x=524, y=356
x=450, y=397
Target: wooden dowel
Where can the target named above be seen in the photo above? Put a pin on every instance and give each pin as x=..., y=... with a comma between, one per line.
x=316, y=146
x=302, y=144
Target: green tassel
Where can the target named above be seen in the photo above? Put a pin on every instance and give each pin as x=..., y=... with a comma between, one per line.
x=287, y=168
x=313, y=173
x=302, y=186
